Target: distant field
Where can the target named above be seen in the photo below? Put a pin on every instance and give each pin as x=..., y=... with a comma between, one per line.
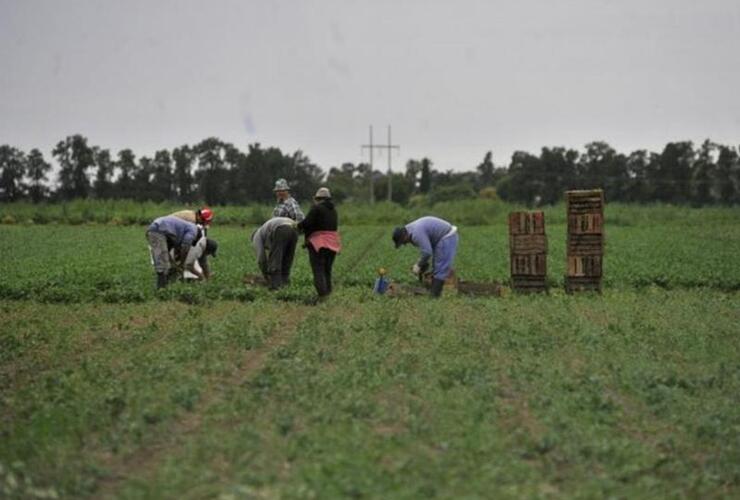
x=108, y=389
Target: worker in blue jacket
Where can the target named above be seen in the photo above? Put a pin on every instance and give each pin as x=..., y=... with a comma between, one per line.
x=167, y=233
x=437, y=242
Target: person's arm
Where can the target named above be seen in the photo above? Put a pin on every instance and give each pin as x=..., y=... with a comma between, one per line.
x=196, y=253
x=259, y=248
x=421, y=240
x=298, y=215
x=203, y=261
x=309, y=222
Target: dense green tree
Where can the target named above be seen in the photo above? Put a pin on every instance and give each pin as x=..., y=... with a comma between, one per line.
x=486, y=171
x=142, y=181
x=425, y=182
x=103, y=185
x=163, y=179
x=75, y=158
x=600, y=166
x=522, y=184
x=127, y=167
x=703, y=173
x=37, y=170
x=673, y=176
x=12, y=171
x=212, y=174
x=726, y=177
x=640, y=167
x=558, y=171
x=183, y=176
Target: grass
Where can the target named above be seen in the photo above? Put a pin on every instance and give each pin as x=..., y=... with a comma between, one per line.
x=217, y=390
x=572, y=396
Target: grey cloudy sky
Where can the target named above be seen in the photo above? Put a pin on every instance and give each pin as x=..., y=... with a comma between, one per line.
x=453, y=78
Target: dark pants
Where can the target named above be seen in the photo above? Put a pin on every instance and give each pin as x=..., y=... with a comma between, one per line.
x=280, y=258
x=321, y=263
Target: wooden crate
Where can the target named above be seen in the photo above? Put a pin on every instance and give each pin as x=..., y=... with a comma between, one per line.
x=585, y=242
x=529, y=283
x=582, y=284
x=528, y=251
x=527, y=223
x=529, y=265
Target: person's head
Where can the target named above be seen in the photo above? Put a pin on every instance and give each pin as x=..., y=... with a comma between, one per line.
x=204, y=216
x=400, y=236
x=211, y=247
x=322, y=194
x=281, y=190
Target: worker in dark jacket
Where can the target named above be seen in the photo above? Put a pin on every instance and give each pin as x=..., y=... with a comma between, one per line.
x=322, y=240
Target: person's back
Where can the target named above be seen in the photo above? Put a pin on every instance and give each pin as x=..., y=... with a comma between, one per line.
x=178, y=231
x=322, y=217
x=428, y=228
x=186, y=215
x=263, y=235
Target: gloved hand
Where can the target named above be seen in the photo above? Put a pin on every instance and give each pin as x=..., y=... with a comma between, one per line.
x=416, y=269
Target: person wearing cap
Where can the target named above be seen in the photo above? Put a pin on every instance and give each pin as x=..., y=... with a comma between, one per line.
x=167, y=233
x=437, y=241
x=274, y=243
x=287, y=206
x=322, y=240
x=202, y=216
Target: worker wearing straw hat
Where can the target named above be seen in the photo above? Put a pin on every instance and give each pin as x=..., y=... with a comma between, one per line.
x=322, y=240
x=287, y=206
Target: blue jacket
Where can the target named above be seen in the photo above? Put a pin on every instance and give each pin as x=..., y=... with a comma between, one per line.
x=425, y=233
x=178, y=232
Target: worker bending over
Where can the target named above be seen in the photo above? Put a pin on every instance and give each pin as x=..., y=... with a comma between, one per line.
x=437, y=241
x=274, y=243
x=167, y=233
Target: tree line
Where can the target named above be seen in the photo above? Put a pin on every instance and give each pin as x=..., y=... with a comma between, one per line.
x=217, y=172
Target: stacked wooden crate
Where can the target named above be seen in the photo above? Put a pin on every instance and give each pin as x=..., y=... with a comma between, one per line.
x=528, y=251
x=585, y=252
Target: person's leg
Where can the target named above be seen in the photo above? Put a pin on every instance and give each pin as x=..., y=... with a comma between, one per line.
x=328, y=256
x=444, y=257
x=275, y=257
x=288, y=256
x=160, y=256
x=317, y=266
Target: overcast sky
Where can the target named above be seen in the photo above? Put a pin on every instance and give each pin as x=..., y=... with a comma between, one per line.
x=454, y=79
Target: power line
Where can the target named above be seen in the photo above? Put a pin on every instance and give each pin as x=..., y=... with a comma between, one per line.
x=390, y=147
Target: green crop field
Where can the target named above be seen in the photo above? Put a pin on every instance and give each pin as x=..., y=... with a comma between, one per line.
x=220, y=390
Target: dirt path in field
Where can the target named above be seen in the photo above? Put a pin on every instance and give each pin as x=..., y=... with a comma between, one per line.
x=146, y=460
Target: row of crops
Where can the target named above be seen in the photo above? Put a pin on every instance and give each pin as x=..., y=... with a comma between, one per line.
x=66, y=264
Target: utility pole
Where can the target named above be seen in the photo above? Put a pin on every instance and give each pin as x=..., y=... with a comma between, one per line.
x=370, y=146
x=390, y=147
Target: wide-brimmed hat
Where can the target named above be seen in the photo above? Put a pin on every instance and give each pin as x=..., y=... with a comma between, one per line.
x=281, y=185
x=322, y=193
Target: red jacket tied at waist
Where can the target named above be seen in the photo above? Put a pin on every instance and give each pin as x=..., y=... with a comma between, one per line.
x=325, y=239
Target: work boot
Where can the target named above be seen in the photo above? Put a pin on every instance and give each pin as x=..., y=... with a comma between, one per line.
x=161, y=280
x=275, y=282
x=436, y=289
